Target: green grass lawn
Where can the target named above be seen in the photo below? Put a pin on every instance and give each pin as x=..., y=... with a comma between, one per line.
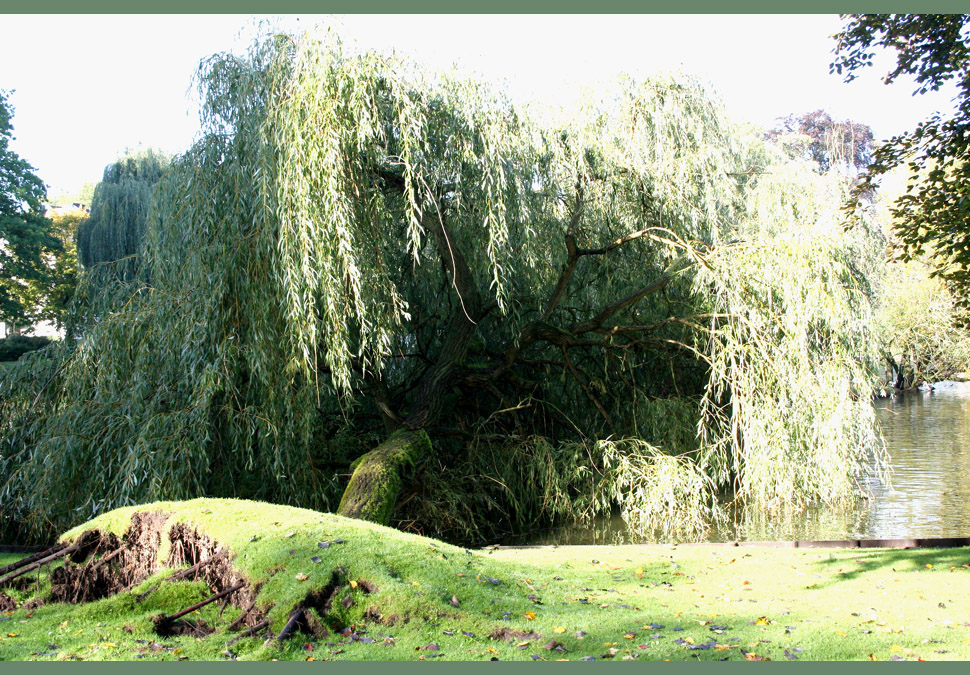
x=429, y=600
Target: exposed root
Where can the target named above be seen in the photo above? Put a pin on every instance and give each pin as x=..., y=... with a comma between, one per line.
x=166, y=625
x=20, y=583
x=252, y=630
x=97, y=566
x=7, y=604
x=198, y=629
x=112, y=564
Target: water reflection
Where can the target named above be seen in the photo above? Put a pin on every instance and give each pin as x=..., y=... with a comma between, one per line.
x=928, y=438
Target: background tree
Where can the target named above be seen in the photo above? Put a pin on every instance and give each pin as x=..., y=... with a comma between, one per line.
x=63, y=268
x=932, y=217
x=829, y=142
x=487, y=320
x=26, y=240
x=114, y=232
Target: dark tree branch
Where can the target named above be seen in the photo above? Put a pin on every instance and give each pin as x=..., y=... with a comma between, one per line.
x=621, y=304
x=589, y=394
x=428, y=400
x=571, y=258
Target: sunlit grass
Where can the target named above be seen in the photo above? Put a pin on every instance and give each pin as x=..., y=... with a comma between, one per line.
x=704, y=602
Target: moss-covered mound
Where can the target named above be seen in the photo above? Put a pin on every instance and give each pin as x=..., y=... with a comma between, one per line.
x=263, y=581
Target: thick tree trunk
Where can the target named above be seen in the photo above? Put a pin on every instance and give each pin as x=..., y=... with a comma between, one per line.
x=376, y=482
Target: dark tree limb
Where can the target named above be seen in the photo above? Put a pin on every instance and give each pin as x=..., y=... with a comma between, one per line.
x=188, y=610
x=291, y=624
x=589, y=394
x=181, y=574
x=41, y=561
x=249, y=632
x=32, y=558
x=571, y=258
x=242, y=617
x=625, y=239
x=621, y=304
x=427, y=405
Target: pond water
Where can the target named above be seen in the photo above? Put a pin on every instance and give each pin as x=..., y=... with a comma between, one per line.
x=927, y=495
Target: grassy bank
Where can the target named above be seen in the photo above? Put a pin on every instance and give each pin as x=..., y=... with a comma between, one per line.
x=400, y=597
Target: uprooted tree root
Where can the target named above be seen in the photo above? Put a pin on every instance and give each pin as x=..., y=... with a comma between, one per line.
x=100, y=565
x=7, y=604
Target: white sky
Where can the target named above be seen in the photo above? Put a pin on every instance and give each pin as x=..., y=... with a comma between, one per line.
x=89, y=86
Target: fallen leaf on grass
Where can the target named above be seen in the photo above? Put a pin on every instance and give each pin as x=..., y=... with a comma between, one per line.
x=710, y=644
x=558, y=629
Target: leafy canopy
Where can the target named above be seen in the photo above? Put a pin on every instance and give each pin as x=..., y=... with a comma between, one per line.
x=25, y=235
x=932, y=216
x=119, y=208
x=826, y=141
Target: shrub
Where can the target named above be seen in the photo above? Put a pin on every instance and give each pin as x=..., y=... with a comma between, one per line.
x=15, y=346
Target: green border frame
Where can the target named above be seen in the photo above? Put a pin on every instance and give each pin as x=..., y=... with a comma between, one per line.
x=491, y=7
x=276, y=7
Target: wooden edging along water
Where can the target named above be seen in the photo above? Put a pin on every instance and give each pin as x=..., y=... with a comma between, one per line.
x=937, y=542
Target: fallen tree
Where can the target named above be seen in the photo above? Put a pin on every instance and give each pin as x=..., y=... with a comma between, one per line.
x=358, y=266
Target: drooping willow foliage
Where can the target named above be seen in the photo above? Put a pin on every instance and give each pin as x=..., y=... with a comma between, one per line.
x=114, y=232
x=792, y=350
x=638, y=308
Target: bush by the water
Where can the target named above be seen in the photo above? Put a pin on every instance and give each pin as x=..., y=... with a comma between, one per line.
x=15, y=346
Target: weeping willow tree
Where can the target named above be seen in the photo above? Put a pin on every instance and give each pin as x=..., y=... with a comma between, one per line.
x=114, y=231
x=359, y=270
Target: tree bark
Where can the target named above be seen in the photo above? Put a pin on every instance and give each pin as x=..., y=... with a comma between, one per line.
x=376, y=482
